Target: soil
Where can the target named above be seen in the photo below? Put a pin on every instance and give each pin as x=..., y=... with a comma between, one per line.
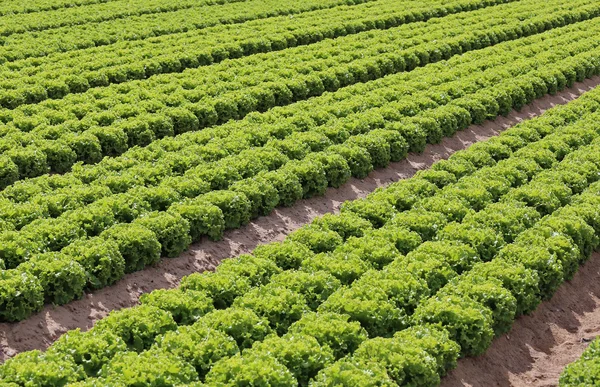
x=540, y=345
x=43, y=328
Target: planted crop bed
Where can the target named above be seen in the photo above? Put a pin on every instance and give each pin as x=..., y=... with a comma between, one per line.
x=94, y=224
x=130, y=129
x=107, y=121
x=450, y=251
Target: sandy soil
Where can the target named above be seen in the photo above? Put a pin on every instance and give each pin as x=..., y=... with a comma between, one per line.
x=41, y=329
x=540, y=345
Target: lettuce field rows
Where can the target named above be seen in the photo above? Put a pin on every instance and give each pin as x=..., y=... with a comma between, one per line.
x=130, y=129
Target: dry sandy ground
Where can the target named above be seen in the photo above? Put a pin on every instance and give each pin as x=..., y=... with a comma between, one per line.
x=540, y=345
x=40, y=330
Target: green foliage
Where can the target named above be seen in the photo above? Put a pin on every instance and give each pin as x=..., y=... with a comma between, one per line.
x=346, y=267
x=9, y=172
x=358, y=159
x=22, y=214
x=16, y=248
x=377, y=146
x=435, y=340
x=337, y=171
x=262, y=195
x=452, y=207
x=370, y=306
x=311, y=174
x=423, y=222
x=406, y=365
x=150, y=368
x=404, y=239
x=349, y=372
x=54, y=233
x=509, y=218
x=200, y=346
x=584, y=371
x=317, y=239
x=236, y=208
x=287, y=184
x=485, y=240
x=90, y=350
x=434, y=270
x=185, y=306
x=459, y=256
x=468, y=322
x=439, y=178
x=405, y=193
x=62, y=278
x=574, y=227
x=242, y=324
x=346, y=225
x=562, y=246
x=257, y=270
x=457, y=166
x=403, y=288
x=372, y=248
x=204, y=218
x=138, y=245
x=21, y=294
x=258, y=370
x=101, y=259
x=303, y=356
x=315, y=287
x=223, y=288
x=376, y=212
x=38, y=369
x=137, y=326
x=540, y=259
x=279, y=305
x=521, y=282
x=332, y=330
x=172, y=231
x=488, y=292
x=286, y=255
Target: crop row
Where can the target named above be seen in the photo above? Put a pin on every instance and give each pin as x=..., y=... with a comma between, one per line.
x=449, y=250
x=162, y=223
x=129, y=60
x=472, y=307
x=164, y=164
x=407, y=47
x=194, y=85
x=70, y=38
x=12, y=8
x=57, y=147
x=585, y=371
x=19, y=22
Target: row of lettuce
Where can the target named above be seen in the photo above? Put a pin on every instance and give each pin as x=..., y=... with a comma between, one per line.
x=586, y=370
x=128, y=60
x=131, y=27
x=389, y=292
x=54, y=137
x=40, y=15
x=292, y=75
x=11, y=8
x=58, y=147
x=255, y=70
x=83, y=236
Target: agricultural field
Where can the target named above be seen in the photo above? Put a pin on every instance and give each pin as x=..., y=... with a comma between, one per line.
x=312, y=193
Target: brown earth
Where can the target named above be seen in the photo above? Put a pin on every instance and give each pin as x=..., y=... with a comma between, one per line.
x=540, y=345
x=43, y=328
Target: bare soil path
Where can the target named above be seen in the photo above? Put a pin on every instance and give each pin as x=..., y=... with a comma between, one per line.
x=540, y=345
x=43, y=328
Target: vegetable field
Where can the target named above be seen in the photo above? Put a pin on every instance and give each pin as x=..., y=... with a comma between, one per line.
x=134, y=132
